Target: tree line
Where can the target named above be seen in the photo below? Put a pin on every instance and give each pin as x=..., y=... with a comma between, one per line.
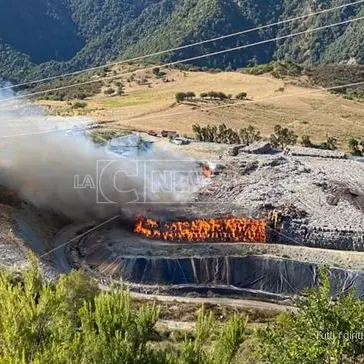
x=280, y=138
x=212, y=95
x=226, y=135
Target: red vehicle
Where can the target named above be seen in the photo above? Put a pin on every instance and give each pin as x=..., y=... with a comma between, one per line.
x=152, y=133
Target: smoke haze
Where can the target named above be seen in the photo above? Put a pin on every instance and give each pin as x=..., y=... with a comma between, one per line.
x=69, y=174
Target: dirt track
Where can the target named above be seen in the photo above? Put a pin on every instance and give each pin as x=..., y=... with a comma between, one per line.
x=240, y=303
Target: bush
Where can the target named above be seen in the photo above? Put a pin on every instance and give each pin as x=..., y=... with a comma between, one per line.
x=120, y=90
x=330, y=144
x=102, y=136
x=221, y=96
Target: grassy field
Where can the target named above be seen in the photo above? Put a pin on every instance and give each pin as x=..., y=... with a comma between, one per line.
x=152, y=105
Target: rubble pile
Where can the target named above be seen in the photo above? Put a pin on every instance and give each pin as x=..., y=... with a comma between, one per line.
x=329, y=190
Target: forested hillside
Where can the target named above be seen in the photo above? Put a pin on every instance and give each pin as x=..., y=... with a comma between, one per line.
x=42, y=37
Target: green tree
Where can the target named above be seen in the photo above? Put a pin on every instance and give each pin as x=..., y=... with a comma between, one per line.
x=355, y=147
x=249, y=135
x=212, y=95
x=180, y=96
x=196, y=128
x=324, y=330
x=306, y=141
x=241, y=96
x=203, y=95
x=330, y=144
x=283, y=137
x=120, y=88
x=190, y=95
x=221, y=96
x=222, y=133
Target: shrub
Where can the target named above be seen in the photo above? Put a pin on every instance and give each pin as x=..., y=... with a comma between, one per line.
x=79, y=105
x=355, y=146
x=109, y=91
x=71, y=321
x=306, y=141
x=221, y=96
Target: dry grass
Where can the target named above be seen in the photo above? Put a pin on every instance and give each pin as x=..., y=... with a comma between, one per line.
x=153, y=106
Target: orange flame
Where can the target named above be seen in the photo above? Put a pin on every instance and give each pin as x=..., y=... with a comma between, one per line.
x=222, y=229
x=207, y=171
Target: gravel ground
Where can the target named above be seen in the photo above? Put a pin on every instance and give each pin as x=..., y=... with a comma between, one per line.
x=13, y=248
x=330, y=190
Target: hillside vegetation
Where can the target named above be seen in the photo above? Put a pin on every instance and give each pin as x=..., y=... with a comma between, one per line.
x=71, y=321
x=262, y=96
x=75, y=34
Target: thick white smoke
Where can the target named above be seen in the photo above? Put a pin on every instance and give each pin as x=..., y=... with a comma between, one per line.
x=70, y=175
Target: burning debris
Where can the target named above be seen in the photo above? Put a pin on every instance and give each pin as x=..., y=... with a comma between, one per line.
x=204, y=230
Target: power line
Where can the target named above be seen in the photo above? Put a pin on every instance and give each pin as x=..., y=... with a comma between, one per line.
x=80, y=235
x=185, y=46
x=184, y=60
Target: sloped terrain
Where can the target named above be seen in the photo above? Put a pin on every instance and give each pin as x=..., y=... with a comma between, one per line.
x=25, y=229
x=76, y=34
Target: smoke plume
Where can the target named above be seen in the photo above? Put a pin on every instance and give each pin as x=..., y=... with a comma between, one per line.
x=67, y=173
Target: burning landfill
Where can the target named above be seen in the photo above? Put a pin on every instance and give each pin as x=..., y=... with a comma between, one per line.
x=204, y=230
x=262, y=197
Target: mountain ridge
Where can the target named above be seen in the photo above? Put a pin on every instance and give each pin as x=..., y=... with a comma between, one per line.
x=75, y=34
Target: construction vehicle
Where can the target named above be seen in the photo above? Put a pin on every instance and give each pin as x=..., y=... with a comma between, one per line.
x=169, y=134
